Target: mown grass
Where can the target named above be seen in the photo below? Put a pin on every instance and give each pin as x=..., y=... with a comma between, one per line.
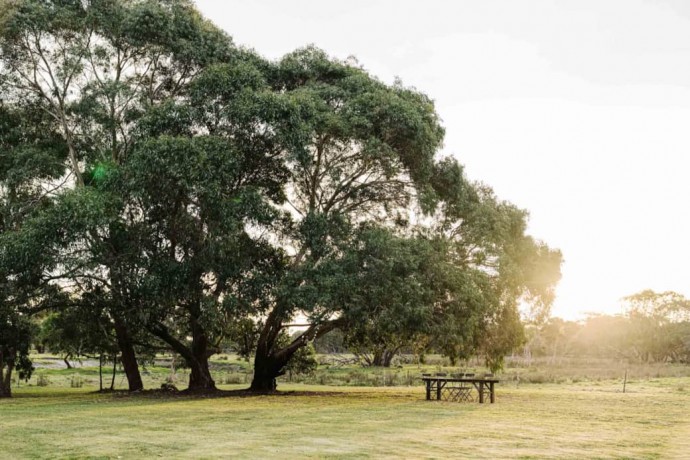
x=579, y=420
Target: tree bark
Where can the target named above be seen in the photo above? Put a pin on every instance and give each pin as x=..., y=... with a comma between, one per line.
x=266, y=369
x=100, y=372
x=378, y=358
x=383, y=357
x=112, y=381
x=6, y=367
x=200, y=378
x=129, y=357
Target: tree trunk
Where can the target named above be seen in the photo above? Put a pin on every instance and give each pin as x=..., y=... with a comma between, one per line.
x=196, y=357
x=6, y=368
x=129, y=357
x=5, y=378
x=383, y=357
x=112, y=381
x=266, y=369
x=200, y=378
x=67, y=363
x=388, y=356
x=270, y=362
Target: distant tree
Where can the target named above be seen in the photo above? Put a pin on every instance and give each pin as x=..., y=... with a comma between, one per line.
x=667, y=305
x=654, y=328
x=330, y=343
x=390, y=289
x=603, y=336
x=76, y=333
x=556, y=338
x=655, y=331
x=241, y=336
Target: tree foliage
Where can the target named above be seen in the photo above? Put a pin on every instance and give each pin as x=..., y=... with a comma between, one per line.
x=185, y=192
x=30, y=157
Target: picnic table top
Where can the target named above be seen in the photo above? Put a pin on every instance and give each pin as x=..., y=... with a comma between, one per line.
x=460, y=379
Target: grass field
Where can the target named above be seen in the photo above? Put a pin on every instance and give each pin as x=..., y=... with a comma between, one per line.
x=572, y=420
x=228, y=369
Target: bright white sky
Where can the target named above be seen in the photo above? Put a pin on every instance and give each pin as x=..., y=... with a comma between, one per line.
x=578, y=111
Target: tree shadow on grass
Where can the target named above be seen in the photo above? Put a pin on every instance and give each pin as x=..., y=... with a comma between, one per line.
x=241, y=393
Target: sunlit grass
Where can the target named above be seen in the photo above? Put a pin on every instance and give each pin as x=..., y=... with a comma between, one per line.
x=583, y=420
x=230, y=369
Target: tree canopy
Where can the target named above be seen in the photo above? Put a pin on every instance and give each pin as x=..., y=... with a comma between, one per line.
x=179, y=191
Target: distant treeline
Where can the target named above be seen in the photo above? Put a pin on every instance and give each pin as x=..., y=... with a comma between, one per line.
x=654, y=328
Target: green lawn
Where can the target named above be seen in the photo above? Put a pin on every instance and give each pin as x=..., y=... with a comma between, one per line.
x=581, y=420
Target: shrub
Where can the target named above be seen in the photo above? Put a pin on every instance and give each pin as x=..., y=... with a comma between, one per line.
x=233, y=379
x=42, y=380
x=76, y=381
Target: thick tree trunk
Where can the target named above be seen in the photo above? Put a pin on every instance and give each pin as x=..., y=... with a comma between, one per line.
x=6, y=378
x=5, y=388
x=129, y=357
x=383, y=358
x=265, y=372
x=270, y=362
x=200, y=378
x=267, y=367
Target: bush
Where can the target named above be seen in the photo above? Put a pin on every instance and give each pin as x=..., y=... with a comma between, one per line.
x=76, y=382
x=233, y=379
x=42, y=380
x=303, y=361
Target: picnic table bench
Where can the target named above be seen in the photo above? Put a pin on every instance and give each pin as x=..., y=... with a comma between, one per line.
x=458, y=387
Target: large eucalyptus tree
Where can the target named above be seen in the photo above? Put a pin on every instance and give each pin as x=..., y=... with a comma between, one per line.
x=456, y=260
x=93, y=68
x=367, y=154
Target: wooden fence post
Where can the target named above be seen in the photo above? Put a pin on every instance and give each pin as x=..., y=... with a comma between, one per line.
x=625, y=380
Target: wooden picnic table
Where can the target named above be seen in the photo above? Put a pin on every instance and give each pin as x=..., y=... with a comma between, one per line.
x=444, y=386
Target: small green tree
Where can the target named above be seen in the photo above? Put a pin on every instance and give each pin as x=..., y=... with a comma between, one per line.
x=78, y=332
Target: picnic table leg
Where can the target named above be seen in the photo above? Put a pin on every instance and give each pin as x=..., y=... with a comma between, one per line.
x=481, y=392
x=428, y=390
x=493, y=395
x=439, y=387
